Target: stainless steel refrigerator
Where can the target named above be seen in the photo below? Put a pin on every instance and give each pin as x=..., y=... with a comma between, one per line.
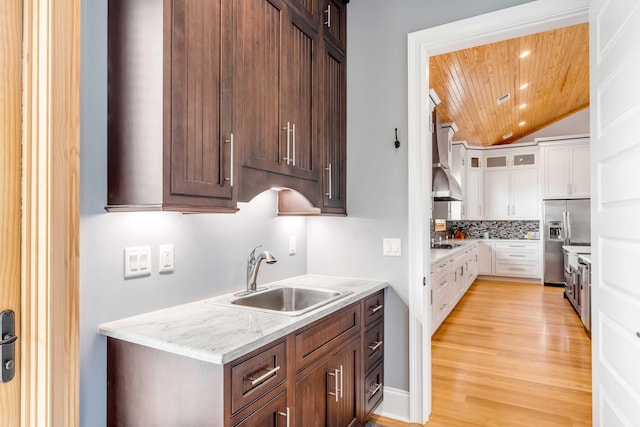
x=566, y=222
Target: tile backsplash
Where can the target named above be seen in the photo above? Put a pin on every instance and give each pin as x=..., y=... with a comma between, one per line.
x=496, y=229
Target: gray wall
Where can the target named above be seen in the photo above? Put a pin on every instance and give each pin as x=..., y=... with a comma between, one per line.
x=210, y=250
x=377, y=173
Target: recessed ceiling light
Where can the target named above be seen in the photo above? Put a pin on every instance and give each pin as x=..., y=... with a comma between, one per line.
x=504, y=98
x=525, y=54
x=522, y=106
x=507, y=135
x=524, y=86
x=522, y=123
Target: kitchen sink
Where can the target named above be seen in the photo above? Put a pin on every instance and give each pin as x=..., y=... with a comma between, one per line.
x=289, y=300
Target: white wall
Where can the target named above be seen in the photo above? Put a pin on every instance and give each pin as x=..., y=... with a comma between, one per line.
x=575, y=124
x=377, y=173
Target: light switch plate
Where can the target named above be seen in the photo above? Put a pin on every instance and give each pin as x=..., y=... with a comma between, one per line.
x=292, y=245
x=137, y=261
x=391, y=246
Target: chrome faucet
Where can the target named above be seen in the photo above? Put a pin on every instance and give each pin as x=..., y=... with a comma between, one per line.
x=253, y=265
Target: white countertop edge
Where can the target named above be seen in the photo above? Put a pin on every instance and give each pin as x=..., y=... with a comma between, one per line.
x=144, y=329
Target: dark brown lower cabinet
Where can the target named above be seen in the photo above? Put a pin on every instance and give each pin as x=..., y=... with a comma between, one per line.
x=326, y=394
x=326, y=374
x=273, y=414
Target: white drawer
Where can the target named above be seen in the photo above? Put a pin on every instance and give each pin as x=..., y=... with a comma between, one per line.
x=517, y=269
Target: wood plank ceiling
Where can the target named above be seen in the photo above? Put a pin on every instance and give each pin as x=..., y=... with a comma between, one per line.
x=469, y=82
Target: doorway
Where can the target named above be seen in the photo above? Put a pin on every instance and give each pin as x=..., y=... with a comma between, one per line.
x=521, y=20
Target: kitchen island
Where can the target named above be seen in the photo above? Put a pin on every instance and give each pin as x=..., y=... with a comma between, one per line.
x=211, y=363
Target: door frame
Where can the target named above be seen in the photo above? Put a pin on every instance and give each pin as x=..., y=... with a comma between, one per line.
x=528, y=18
x=50, y=213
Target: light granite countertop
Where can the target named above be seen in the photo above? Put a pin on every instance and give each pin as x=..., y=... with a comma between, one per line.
x=211, y=331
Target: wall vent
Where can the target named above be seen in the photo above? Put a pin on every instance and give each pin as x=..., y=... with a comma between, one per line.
x=507, y=135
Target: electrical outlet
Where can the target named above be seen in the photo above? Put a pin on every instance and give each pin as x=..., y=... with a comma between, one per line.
x=137, y=261
x=165, y=257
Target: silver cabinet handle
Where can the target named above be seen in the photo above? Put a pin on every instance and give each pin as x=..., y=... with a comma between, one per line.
x=517, y=256
x=230, y=179
x=328, y=12
x=329, y=194
x=293, y=159
x=375, y=389
x=341, y=381
x=334, y=374
x=270, y=372
x=286, y=415
x=288, y=129
x=375, y=345
x=376, y=308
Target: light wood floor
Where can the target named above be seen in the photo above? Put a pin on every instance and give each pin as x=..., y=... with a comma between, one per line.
x=510, y=354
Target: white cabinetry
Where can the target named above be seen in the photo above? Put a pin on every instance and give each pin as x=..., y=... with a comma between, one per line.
x=511, y=189
x=485, y=257
x=474, y=186
x=451, y=277
x=517, y=259
x=566, y=169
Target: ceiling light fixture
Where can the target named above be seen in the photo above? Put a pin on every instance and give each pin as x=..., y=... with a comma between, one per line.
x=522, y=106
x=507, y=135
x=524, y=86
x=504, y=98
x=522, y=123
x=525, y=54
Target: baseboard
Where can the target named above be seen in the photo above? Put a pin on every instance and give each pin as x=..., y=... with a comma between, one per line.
x=395, y=405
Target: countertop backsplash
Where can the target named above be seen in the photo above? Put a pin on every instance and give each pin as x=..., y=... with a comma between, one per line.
x=496, y=229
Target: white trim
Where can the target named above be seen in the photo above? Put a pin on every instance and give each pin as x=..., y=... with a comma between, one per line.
x=562, y=139
x=529, y=18
x=395, y=405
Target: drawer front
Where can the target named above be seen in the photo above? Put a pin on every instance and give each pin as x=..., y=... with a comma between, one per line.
x=517, y=251
x=323, y=337
x=519, y=269
x=274, y=413
x=255, y=376
x=373, y=345
x=373, y=308
x=373, y=388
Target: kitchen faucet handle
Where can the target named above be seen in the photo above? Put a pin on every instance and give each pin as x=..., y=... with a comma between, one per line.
x=252, y=255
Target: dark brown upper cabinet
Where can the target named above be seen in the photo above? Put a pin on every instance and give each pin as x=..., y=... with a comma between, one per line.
x=170, y=116
x=276, y=114
x=334, y=23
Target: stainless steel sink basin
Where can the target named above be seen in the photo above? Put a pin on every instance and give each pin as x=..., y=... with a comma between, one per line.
x=288, y=300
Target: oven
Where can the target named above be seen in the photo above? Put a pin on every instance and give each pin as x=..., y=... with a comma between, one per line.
x=584, y=270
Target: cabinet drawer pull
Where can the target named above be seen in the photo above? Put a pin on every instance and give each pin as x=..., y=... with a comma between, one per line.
x=288, y=129
x=517, y=256
x=338, y=391
x=270, y=372
x=230, y=179
x=293, y=154
x=328, y=12
x=375, y=345
x=375, y=389
x=328, y=194
x=376, y=308
x=286, y=415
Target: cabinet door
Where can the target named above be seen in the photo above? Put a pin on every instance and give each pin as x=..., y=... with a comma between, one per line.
x=525, y=198
x=311, y=394
x=300, y=96
x=201, y=70
x=334, y=22
x=343, y=373
x=485, y=252
x=259, y=78
x=496, y=194
x=474, y=191
x=333, y=131
x=273, y=414
x=581, y=171
x=556, y=172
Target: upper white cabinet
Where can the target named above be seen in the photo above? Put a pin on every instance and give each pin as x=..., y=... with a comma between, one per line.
x=566, y=169
x=474, y=185
x=511, y=184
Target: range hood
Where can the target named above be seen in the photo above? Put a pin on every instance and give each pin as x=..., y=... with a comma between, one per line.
x=445, y=186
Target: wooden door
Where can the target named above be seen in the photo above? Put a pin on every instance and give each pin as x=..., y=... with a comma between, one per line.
x=201, y=74
x=615, y=203
x=10, y=148
x=333, y=131
x=346, y=365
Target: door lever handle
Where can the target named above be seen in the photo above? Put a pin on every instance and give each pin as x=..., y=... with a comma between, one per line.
x=8, y=339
